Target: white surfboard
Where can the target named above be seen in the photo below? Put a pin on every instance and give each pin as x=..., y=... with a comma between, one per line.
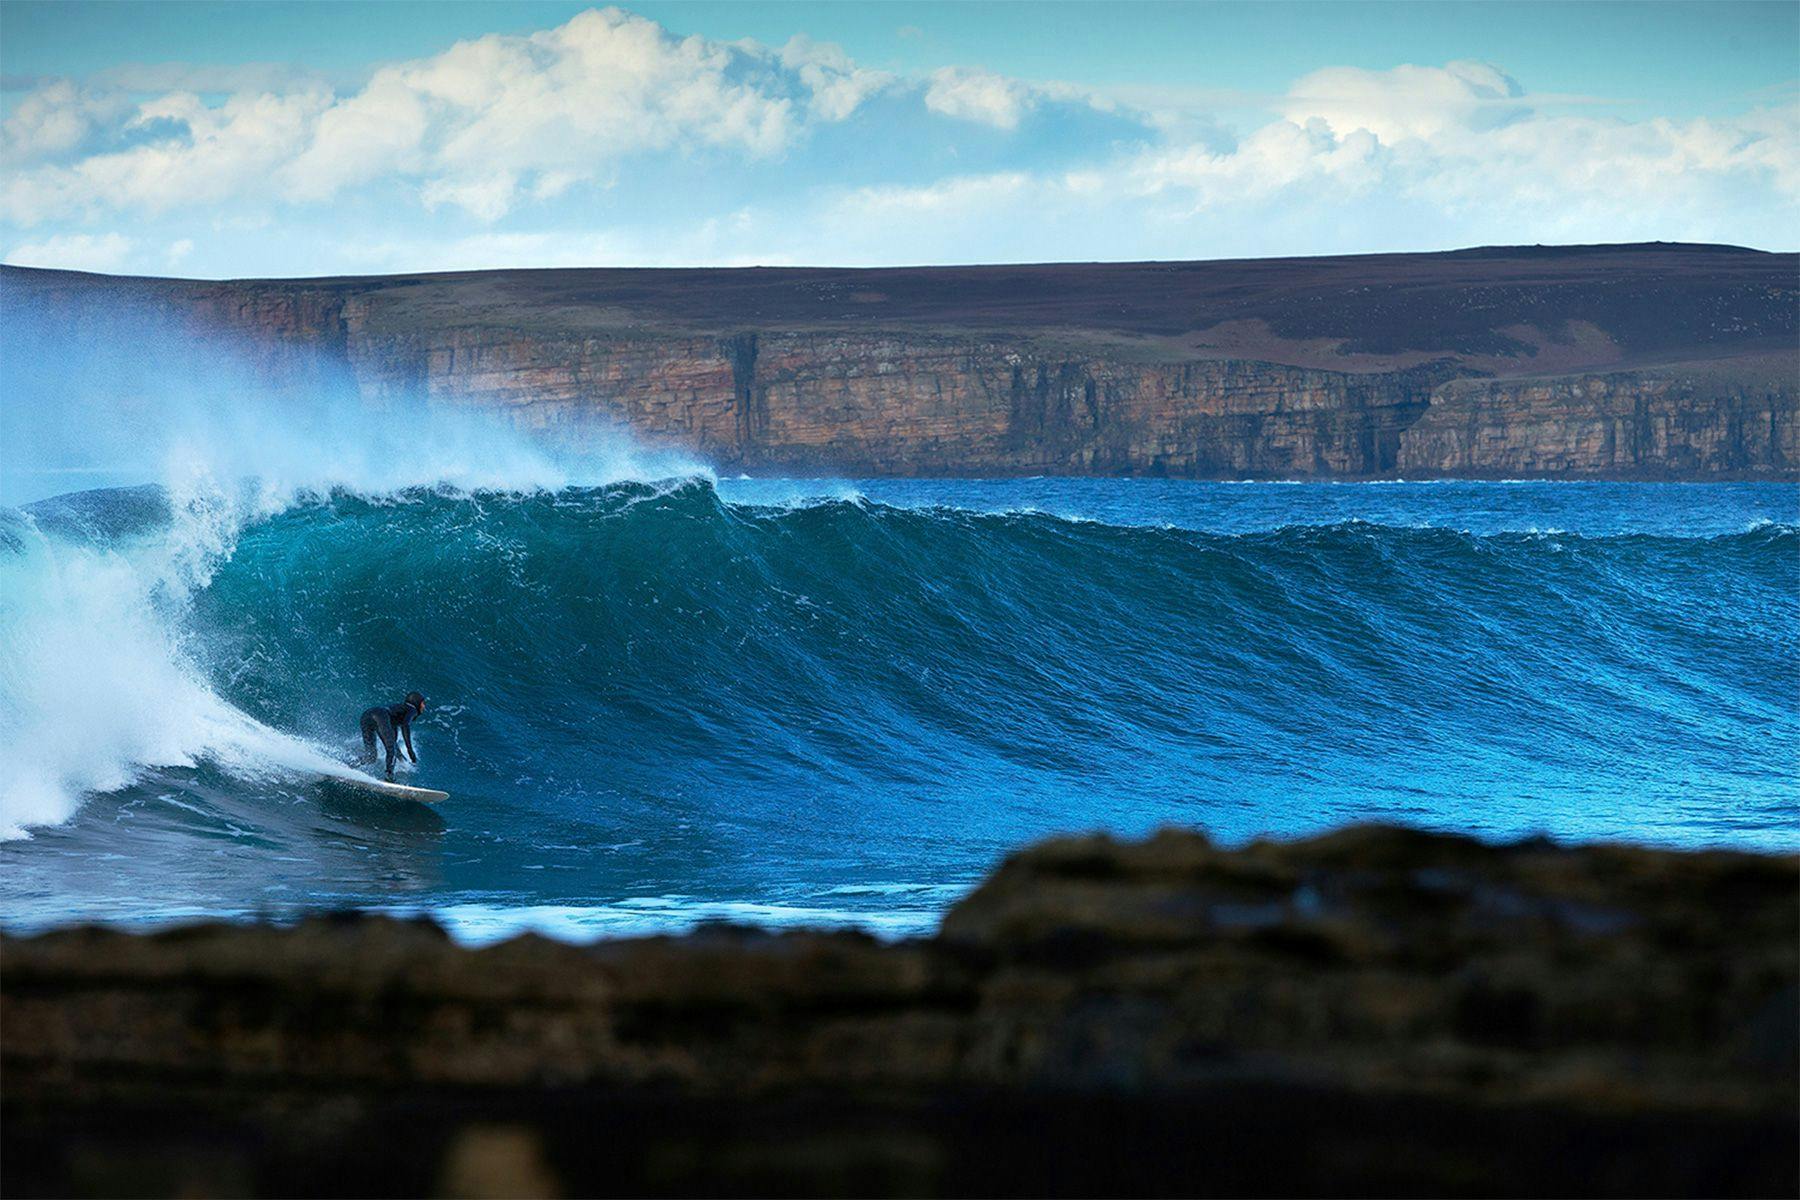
x=381, y=787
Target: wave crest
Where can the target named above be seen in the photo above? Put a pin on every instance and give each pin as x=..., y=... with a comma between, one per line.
x=649, y=637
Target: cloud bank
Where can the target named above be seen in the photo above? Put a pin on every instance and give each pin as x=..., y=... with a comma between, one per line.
x=611, y=140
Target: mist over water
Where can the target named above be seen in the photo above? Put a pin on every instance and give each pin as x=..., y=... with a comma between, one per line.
x=658, y=698
x=132, y=398
x=101, y=673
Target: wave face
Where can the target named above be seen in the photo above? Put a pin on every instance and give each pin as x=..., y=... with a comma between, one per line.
x=659, y=703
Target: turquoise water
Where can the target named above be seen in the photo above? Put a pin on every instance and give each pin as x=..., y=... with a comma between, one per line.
x=801, y=702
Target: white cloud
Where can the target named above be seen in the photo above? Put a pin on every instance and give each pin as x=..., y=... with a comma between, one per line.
x=379, y=130
x=837, y=85
x=980, y=96
x=949, y=196
x=551, y=184
x=178, y=251
x=1407, y=101
x=486, y=197
x=56, y=119
x=1464, y=144
x=508, y=130
x=1311, y=187
x=74, y=252
x=191, y=153
x=543, y=111
x=1276, y=158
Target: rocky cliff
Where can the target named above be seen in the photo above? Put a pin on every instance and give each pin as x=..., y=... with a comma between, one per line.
x=1617, y=362
x=1375, y=1011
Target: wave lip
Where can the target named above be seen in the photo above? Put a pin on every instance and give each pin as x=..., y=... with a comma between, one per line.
x=98, y=681
x=104, y=676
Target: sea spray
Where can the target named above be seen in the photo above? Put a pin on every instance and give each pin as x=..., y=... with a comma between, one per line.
x=101, y=675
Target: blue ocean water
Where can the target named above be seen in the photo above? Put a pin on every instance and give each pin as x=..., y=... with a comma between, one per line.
x=782, y=701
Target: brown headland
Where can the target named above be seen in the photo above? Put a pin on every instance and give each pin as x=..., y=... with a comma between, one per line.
x=1655, y=361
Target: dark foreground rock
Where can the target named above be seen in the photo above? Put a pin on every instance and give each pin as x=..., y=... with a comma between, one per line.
x=1372, y=1012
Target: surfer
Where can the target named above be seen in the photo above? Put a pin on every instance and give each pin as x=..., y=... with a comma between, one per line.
x=382, y=721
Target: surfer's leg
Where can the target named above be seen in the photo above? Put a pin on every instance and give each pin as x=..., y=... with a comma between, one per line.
x=385, y=728
x=368, y=732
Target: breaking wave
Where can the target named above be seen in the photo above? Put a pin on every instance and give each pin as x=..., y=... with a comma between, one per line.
x=616, y=646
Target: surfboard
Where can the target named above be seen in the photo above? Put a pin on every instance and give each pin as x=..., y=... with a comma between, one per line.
x=381, y=787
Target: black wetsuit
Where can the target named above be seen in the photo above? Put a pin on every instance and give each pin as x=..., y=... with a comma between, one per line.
x=382, y=722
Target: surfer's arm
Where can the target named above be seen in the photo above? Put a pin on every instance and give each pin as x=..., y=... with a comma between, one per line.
x=406, y=732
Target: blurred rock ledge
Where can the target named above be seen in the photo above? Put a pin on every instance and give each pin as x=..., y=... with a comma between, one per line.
x=1373, y=1011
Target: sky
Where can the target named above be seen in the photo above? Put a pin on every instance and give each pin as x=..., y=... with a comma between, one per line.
x=275, y=139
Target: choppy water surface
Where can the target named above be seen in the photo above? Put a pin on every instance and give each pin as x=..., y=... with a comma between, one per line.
x=796, y=702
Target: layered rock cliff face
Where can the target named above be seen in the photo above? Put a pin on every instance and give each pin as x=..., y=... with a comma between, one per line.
x=1375, y=1011
x=1674, y=424
x=1620, y=362
x=886, y=404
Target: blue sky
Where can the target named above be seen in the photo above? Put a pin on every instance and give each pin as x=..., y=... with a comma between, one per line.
x=320, y=138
